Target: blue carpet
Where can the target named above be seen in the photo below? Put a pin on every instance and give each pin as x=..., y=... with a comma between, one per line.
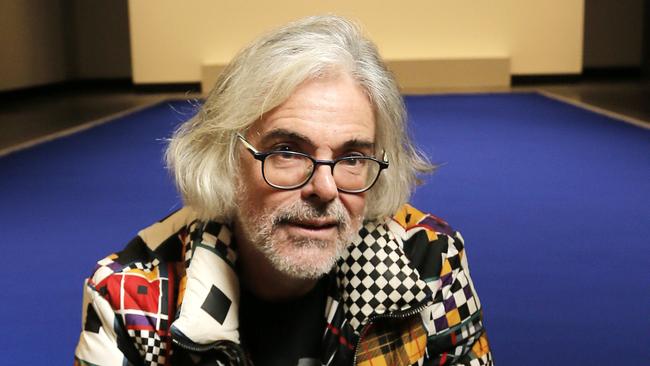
x=553, y=201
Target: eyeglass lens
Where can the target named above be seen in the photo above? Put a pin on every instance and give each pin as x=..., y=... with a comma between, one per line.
x=286, y=170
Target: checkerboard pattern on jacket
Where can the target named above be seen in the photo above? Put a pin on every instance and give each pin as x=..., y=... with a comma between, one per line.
x=401, y=295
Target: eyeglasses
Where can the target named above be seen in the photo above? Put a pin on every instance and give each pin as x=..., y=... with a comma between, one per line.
x=291, y=170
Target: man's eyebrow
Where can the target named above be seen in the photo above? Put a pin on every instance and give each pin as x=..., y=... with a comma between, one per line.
x=358, y=144
x=282, y=133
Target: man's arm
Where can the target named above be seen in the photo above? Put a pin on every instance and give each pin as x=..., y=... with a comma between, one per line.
x=98, y=343
x=454, y=321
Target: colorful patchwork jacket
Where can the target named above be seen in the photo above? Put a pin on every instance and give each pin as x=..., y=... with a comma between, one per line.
x=401, y=295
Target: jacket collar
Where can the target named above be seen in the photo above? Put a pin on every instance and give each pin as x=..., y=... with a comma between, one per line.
x=373, y=277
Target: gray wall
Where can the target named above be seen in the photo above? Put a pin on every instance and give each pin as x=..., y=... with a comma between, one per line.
x=100, y=41
x=646, y=41
x=32, y=40
x=613, y=33
x=49, y=41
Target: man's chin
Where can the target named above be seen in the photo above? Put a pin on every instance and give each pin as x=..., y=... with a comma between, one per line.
x=305, y=259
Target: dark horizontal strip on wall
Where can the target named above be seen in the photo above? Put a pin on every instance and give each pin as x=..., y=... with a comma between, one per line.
x=96, y=85
x=67, y=87
x=588, y=74
x=544, y=79
x=191, y=87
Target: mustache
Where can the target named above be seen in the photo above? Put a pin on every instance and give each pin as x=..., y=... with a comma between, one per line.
x=334, y=213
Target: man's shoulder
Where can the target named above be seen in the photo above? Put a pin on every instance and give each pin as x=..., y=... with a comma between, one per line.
x=432, y=246
x=412, y=220
x=146, y=258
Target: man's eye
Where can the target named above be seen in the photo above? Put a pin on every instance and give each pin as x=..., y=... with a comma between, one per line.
x=279, y=151
x=350, y=162
x=355, y=155
x=283, y=148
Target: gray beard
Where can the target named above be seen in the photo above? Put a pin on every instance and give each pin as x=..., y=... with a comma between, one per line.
x=261, y=232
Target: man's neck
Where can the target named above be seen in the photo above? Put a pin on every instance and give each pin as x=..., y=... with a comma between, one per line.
x=259, y=277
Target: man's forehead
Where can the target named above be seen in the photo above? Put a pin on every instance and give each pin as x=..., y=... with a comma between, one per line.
x=335, y=110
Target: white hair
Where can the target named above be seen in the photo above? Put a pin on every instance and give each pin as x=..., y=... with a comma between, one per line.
x=202, y=153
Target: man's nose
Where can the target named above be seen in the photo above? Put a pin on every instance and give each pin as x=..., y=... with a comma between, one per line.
x=321, y=186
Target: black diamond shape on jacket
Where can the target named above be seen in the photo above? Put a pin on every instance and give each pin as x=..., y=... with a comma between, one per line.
x=217, y=304
x=363, y=232
x=375, y=261
x=374, y=303
x=401, y=276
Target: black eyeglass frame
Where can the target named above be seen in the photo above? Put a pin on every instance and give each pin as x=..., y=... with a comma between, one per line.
x=261, y=156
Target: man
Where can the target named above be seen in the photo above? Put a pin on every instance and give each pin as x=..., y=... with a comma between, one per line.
x=295, y=245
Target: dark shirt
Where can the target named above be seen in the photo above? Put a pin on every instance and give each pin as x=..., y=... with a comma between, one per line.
x=284, y=333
